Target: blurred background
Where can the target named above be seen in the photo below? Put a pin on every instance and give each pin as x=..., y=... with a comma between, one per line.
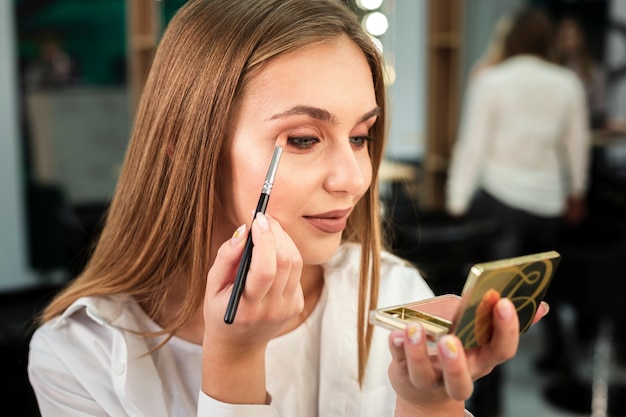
x=71, y=72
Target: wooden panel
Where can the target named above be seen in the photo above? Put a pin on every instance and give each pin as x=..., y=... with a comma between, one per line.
x=443, y=96
x=143, y=28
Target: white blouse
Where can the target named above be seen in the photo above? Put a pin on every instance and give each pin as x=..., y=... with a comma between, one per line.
x=83, y=363
x=524, y=138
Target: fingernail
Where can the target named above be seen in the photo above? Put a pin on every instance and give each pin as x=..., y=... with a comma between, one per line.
x=398, y=341
x=415, y=333
x=238, y=235
x=262, y=221
x=448, y=347
x=546, y=308
x=505, y=310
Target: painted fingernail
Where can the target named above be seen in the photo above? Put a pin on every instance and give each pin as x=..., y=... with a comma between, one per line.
x=546, y=308
x=415, y=333
x=448, y=347
x=262, y=221
x=238, y=235
x=398, y=341
x=505, y=310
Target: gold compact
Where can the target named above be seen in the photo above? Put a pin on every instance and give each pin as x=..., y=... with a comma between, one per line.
x=524, y=280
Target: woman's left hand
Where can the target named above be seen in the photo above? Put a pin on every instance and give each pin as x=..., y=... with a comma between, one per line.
x=436, y=385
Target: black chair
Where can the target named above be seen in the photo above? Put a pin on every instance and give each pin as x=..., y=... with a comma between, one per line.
x=442, y=247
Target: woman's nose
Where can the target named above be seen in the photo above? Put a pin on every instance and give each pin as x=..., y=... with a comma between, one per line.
x=346, y=171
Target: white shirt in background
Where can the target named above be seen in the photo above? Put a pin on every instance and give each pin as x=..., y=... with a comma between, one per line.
x=524, y=138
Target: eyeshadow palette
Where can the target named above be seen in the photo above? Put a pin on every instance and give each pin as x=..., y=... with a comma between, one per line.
x=524, y=280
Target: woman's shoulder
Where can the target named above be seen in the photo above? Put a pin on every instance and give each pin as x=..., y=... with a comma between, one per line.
x=89, y=319
x=76, y=339
x=86, y=356
x=100, y=308
x=90, y=332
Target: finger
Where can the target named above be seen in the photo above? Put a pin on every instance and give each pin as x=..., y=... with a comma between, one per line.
x=506, y=331
x=293, y=287
x=289, y=271
x=483, y=323
x=421, y=371
x=263, y=263
x=222, y=272
x=288, y=263
x=456, y=376
x=396, y=347
x=542, y=311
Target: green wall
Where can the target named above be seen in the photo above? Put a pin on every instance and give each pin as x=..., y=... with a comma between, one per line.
x=93, y=32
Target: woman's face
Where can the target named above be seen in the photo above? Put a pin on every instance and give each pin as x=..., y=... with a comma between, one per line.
x=569, y=38
x=322, y=99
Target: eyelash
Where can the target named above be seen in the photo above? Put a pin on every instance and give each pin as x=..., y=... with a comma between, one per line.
x=307, y=142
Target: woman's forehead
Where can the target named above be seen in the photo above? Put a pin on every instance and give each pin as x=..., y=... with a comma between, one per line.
x=322, y=69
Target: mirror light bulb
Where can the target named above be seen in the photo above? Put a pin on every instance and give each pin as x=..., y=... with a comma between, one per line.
x=376, y=23
x=369, y=4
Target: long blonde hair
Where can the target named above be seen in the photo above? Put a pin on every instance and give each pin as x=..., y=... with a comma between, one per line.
x=161, y=216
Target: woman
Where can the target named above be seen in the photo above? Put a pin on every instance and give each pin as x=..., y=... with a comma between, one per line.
x=494, y=52
x=572, y=51
x=523, y=149
x=228, y=79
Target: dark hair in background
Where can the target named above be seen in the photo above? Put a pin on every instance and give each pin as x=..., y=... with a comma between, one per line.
x=530, y=34
x=582, y=54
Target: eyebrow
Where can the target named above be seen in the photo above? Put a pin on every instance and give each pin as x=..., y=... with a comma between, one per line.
x=321, y=114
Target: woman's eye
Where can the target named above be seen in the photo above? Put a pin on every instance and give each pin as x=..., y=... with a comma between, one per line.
x=360, y=141
x=305, y=142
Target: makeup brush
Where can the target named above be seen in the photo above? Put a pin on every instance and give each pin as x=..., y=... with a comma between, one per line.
x=244, y=264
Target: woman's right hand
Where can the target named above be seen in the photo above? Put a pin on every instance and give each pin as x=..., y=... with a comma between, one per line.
x=575, y=211
x=234, y=354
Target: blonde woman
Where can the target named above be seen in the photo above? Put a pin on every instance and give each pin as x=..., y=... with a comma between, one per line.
x=494, y=53
x=141, y=332
x=572, y=51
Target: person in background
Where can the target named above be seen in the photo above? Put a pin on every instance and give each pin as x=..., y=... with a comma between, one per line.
x=486, y=399
x=522, y=153
x=53, y=67
x=494, y=53
x=141, y=331
x=572, y=51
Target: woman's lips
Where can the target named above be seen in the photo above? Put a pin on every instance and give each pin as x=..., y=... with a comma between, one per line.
x=330, y=222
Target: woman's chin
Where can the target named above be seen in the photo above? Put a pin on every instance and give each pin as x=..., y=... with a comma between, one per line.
x=316, y=253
